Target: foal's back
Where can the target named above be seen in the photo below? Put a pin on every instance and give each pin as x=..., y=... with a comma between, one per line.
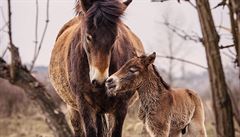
x=187, y=113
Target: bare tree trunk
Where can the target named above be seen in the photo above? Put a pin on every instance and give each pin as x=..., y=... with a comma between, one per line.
x=20, y=76
x=234, y=8
x=221, y=101
x=235, y=26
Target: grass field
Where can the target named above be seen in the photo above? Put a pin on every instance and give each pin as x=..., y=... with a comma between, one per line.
x=34, y=125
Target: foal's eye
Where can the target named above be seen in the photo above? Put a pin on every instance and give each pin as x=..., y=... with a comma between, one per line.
x=133, y=70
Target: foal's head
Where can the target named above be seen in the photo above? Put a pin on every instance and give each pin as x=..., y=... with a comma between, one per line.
x=131, y=75
x=100, y=23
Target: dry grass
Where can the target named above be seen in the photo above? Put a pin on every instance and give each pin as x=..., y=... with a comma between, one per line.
x=29, y=125
x=21, y=126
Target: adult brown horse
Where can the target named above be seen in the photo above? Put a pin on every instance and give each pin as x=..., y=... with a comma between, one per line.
x=88, y=48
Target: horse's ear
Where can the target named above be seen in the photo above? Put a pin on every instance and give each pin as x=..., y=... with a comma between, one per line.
x=149, y=59
x=86, y=4
x=126, y=3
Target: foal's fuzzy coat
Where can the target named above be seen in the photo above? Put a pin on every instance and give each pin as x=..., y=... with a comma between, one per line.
x=164, y=111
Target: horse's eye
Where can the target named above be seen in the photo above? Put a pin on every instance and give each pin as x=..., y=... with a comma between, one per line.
x=89, y=38
x=133, y=70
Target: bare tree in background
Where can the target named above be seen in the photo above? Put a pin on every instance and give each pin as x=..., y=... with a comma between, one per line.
x=221, y=100
x=234, y=8
x=20, y=76
x=173, y=47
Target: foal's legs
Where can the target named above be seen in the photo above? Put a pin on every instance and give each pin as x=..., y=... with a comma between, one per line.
x=76, y=123
x=196, y=129
x=158, y=128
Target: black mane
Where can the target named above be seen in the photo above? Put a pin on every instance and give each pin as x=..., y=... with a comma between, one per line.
x=104, y=13
x=165, y=84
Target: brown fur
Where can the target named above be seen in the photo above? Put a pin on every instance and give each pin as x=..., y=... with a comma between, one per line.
x=165, y=111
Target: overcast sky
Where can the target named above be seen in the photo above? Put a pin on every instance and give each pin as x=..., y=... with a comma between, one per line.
x=143, y=17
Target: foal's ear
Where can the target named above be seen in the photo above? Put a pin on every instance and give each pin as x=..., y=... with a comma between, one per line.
x=149, y=59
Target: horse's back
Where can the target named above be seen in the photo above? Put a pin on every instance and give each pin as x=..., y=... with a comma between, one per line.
x=58, y=64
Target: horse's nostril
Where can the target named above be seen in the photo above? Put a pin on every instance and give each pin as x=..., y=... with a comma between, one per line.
x=109, y=81
x=94, y=82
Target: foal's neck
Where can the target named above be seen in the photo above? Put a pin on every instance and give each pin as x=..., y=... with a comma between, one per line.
x=152, y=87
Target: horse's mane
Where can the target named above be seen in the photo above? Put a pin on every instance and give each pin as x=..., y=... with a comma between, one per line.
x=104, y=13
x=165, y=84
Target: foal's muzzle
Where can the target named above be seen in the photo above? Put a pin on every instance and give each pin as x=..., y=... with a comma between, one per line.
x=110, y=85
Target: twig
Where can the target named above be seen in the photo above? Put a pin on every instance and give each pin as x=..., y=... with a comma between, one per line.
x=228, y=46
x=191, y=3
x=232, y=58
x=42, y=38
x=182, y=34
x=223, y=3
x=4, y=52
x=182, y=60
x=4, y=26
x=10, y=24
x=224, y=28
x=36, y=29
x=3, y=16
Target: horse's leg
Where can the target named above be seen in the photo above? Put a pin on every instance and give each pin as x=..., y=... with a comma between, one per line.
x=119, y=116
x=89, y=117
x=102, y=127
x=76, y=123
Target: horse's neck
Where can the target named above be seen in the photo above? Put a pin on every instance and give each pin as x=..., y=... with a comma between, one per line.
x=151, y=89
x=123, y=48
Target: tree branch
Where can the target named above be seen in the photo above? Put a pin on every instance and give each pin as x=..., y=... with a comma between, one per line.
x=182, y=60
x=15, y=58
x=3, y=16
x=223, y=3
x=182, y=34
x=4, y=52
x=228, y=46
x=4, y=26
x=36, y=30
x=42, y=38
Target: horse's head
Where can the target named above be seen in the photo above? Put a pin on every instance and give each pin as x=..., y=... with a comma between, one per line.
x=131, y=75
x=101, y=18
